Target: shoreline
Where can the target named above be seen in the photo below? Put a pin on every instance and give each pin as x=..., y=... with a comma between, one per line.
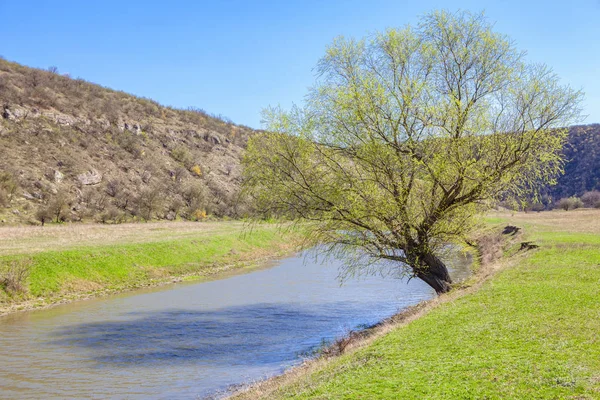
x=92, y=272
x=520, y=328
x=488, y=251
x=216, y=273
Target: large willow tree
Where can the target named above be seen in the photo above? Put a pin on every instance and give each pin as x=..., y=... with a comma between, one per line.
x=406, y=136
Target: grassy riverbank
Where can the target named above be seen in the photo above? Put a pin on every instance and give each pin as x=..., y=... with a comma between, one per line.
x=529, y=331
x=68, y=262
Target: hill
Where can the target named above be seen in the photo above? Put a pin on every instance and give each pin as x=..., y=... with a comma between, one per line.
x=582, y=163
x=73, y=150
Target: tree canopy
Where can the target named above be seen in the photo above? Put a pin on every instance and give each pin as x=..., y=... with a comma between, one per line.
x=406, y=136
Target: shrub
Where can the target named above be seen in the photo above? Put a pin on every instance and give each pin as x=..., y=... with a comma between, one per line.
x=34, y=78
x=197, y=170
x=58, y=207
x=193, y=195
x=175, y=206
x=124, y=199
x=43, y=214
x=3, y=198
x=131, y=143
x=591, y=199
x=149, y=202
x=181, y=154
x=97, y=201
x=570, y=203
x=14, y=274
x=179, y=174
x=112, y=214
x=9, y=185
x=199, y=214
x=3, y=85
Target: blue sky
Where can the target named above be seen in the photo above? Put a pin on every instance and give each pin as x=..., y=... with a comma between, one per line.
x=236, y=57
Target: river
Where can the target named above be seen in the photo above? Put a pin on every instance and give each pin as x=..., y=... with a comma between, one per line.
x=192, y=340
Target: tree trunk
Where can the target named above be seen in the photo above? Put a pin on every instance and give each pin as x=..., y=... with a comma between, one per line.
x=434, y=272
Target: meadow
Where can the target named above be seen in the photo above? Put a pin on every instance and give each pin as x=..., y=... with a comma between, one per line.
x=73, y=261
x=526, y=327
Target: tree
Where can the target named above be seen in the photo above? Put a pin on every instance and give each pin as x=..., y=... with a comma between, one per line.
x=149, y=201
x=406, y=137
x=43, y=214
x=194, y=199
x=8, y=185
x=57, y=207
x=175, y=206
x=570, y=203
x=591, y=199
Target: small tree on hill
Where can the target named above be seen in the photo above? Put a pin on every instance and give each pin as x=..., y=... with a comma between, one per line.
x=58, y=207
x=43, y=214
x=8, y=186
x=149, y=201
x=194, y=199
x=175, y=206
x=406, y=137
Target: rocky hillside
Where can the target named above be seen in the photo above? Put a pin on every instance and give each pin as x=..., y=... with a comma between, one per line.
x=73, y=150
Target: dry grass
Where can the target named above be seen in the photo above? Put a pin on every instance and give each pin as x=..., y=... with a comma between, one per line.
x=34, y=239
x=78, y=261
x=582, y=220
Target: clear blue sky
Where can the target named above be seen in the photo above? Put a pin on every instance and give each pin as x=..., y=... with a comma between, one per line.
x=236, y=57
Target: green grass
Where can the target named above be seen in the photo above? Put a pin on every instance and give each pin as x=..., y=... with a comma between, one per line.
x=493, y=220
x=530, y=332
x=122, y=266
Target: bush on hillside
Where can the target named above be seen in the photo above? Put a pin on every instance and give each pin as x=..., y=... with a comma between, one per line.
x=3, y=198
x=8, y=187
x=149, y=202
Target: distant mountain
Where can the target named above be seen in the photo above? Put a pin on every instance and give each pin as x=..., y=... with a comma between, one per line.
x=582, y=163
x=82, y=151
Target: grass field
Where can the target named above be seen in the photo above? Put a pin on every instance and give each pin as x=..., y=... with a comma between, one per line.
x=34, y=239
x=73, y=261
x=531, y=331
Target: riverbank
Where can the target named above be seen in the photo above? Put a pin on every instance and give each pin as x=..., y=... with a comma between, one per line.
x=40, y=267
x=527, y=326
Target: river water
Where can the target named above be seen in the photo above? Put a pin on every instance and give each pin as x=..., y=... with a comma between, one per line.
x=192, y=340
